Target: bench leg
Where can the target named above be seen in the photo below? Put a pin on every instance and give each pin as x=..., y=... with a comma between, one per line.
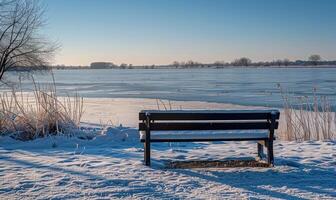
x=260, y=151
x=147, y=152
x=270, y=157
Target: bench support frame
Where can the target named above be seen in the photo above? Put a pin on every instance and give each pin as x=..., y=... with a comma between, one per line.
x=147, y=141
x=260, y=150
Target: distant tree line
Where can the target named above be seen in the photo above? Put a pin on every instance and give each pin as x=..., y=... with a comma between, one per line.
x=313, y=60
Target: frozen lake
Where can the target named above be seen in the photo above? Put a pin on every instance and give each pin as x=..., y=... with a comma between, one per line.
x=245, y=86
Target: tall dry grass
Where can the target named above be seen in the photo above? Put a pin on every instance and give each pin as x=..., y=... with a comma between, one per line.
x=39, y=113
x=307, y=118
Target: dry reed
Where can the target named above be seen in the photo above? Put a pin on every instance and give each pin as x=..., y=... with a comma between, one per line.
x=307, y=118
x=40, y=113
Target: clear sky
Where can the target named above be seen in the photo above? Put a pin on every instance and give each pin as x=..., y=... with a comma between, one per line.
x=162, y=31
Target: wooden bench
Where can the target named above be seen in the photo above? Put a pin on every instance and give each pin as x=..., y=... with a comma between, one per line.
x=249, y=122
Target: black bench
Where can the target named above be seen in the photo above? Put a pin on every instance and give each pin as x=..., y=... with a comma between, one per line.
x=198, y=120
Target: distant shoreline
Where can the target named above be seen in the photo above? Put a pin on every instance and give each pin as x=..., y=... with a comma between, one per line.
x=195, y=67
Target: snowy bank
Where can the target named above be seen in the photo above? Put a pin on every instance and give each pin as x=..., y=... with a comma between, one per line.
x=110, y=166
x=106, y=163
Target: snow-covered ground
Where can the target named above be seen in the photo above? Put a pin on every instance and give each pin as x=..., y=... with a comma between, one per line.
x=110, y=165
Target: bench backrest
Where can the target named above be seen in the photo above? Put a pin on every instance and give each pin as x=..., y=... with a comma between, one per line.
x=208, y=120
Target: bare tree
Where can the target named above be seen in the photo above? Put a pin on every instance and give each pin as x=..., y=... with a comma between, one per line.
x=242, y=62
x=314, y=59
x=278, y=62
x=176, y=64
x=190, y=63
x=21, y=44
x=286, y=61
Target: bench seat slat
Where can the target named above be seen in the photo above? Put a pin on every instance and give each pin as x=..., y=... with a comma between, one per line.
x=208, y=114
x=198, y=136
x=206, y=126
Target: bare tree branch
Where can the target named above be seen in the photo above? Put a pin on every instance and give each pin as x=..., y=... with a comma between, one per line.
x=21, y=44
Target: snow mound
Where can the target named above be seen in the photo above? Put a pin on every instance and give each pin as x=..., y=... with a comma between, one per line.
x=121, y=134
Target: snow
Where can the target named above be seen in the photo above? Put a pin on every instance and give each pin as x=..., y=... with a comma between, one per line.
x=110, y=166
x=106, y=162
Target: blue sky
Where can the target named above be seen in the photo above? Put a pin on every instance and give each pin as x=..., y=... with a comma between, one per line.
x=161, y=31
